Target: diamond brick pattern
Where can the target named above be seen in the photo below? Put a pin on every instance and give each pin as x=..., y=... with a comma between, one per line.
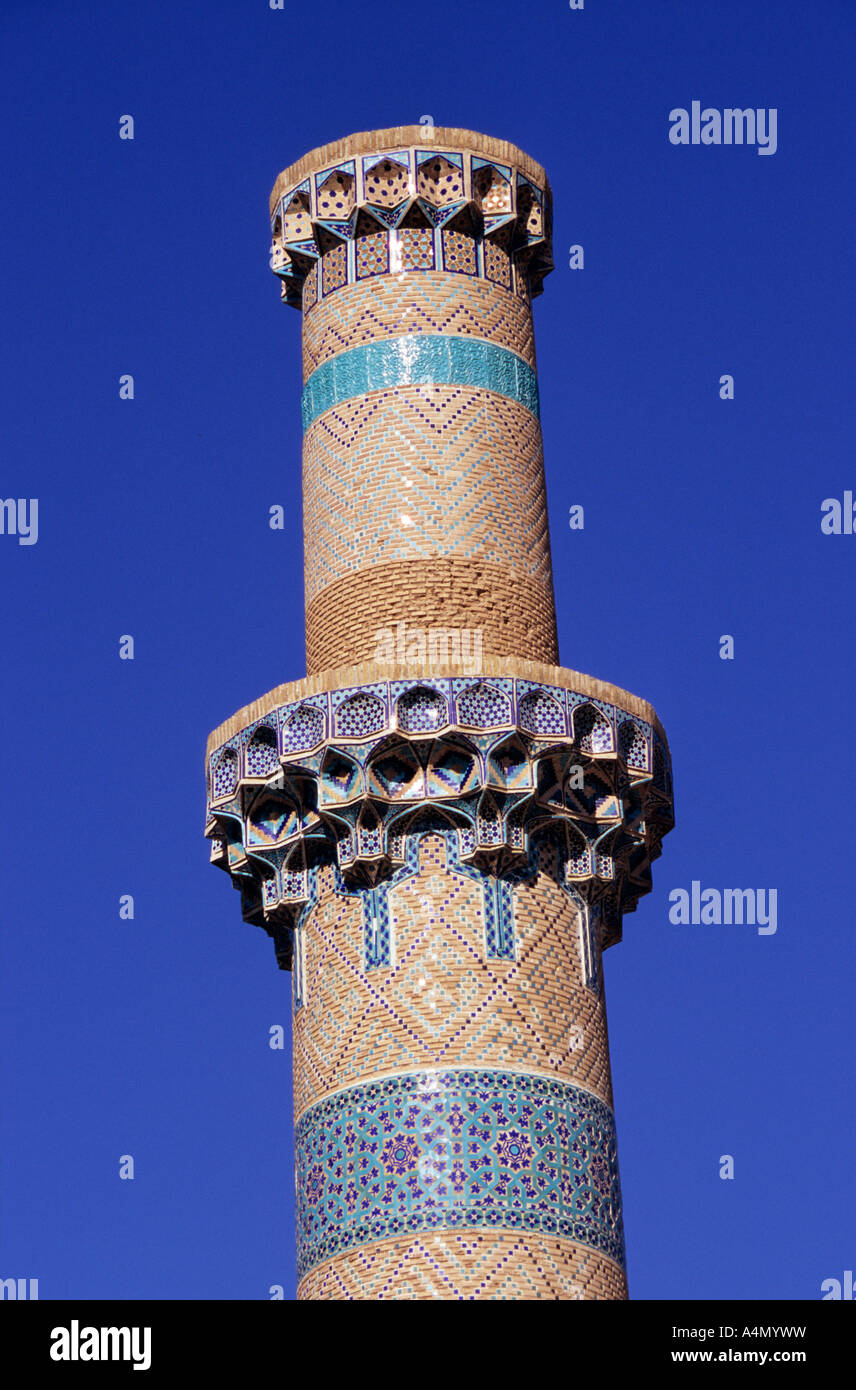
x=455, y=1266
x=428, y=304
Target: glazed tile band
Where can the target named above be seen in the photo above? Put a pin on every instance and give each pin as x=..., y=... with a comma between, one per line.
x=419, y=359
x=457, y=1149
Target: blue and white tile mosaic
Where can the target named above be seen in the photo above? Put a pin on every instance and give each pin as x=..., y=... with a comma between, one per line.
x=457, y=1150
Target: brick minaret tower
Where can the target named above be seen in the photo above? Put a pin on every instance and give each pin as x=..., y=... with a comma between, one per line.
x=439, y=826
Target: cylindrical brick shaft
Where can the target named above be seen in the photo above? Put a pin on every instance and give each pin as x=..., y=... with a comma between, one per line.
x=440, y=831
x=423, y=478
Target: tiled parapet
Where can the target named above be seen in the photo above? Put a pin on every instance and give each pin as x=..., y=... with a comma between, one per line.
x=344, y=773
x=385, y=202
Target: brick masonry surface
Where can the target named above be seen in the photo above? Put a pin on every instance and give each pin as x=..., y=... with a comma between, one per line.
x=436, y=475
x=401, y=485
x=419, y=302
x=513, y=612
x=464, y=1265
x=463, y=476
x=442, y=1002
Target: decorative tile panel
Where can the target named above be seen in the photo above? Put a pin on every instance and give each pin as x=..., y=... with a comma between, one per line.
x=456, y=1150
x=414, y=360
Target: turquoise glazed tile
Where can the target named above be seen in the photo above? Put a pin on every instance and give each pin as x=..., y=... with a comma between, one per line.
x=419, y=358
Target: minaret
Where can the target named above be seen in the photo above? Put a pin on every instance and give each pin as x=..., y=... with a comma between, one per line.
x=440, y=827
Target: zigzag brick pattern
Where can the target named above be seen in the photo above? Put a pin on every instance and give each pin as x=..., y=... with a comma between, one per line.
x=463, y=1265
x=433, y=474
x=420, y=302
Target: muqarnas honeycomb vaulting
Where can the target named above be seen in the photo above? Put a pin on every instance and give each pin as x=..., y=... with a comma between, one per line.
x=440, y=828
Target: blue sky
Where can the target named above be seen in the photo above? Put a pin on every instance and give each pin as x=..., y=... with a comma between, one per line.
x=703, y=518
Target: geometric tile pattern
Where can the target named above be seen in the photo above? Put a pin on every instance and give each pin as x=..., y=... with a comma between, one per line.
x=453, y=1266
x=460, y=253
x=497, y=906
x=442, y=1001
x=334, y=268
x=372, y=255
x=497, y=900
x=459, y=1149
x=429, y=303
x=310, y=288
x=375, y=903
x=498, y=264
x=418, y=250
x=415, y=360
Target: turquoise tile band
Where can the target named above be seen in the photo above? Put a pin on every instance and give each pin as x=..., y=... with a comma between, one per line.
x=456, y=1150
x=419, y=359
